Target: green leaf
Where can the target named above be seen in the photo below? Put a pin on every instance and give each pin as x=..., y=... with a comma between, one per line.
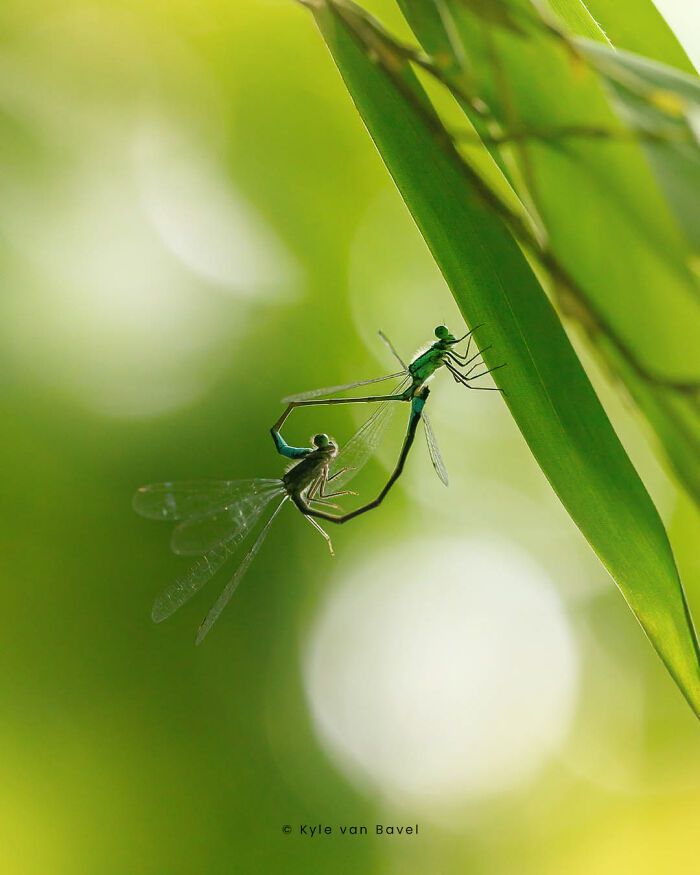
x=546, y=388
x=495, y=12
x=658, y=100
x=635, y=25
x=578, y=18
x=674, y=419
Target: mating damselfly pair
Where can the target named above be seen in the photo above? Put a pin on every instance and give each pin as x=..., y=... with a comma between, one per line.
x=214, y=517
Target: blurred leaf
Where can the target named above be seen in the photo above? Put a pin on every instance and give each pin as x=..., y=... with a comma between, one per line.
x=673, y=418
x=657, y=100
x=546, y=388
x=495, y=12
x=638, y=26
x=578, y=18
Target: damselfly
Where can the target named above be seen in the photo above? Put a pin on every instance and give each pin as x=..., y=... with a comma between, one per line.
x=413, y=378
x=214, y=517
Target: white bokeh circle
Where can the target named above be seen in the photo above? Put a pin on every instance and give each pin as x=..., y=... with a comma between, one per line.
x=442, y=670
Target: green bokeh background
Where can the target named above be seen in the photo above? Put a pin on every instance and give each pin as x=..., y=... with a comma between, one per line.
x=131, y=134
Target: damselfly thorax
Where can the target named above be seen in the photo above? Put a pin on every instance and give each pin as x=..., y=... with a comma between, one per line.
x=304, y=474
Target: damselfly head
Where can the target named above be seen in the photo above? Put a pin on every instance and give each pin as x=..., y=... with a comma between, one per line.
x=442, y=332
x=327, y=446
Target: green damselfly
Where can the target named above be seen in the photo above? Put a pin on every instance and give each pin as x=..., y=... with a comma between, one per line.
x=413, y=379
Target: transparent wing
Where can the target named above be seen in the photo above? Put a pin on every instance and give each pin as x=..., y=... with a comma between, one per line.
x=333, y=390
x=435, y=456
x=232, y=585
x=392, y=349
x=226, y=524
x=189, y=583
x=178, y=501
x=362, y=445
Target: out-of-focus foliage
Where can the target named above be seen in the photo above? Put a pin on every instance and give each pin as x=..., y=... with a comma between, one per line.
x=192, y=225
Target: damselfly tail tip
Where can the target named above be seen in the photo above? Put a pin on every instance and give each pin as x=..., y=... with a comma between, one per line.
x=137, y=498
x=159, y=611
